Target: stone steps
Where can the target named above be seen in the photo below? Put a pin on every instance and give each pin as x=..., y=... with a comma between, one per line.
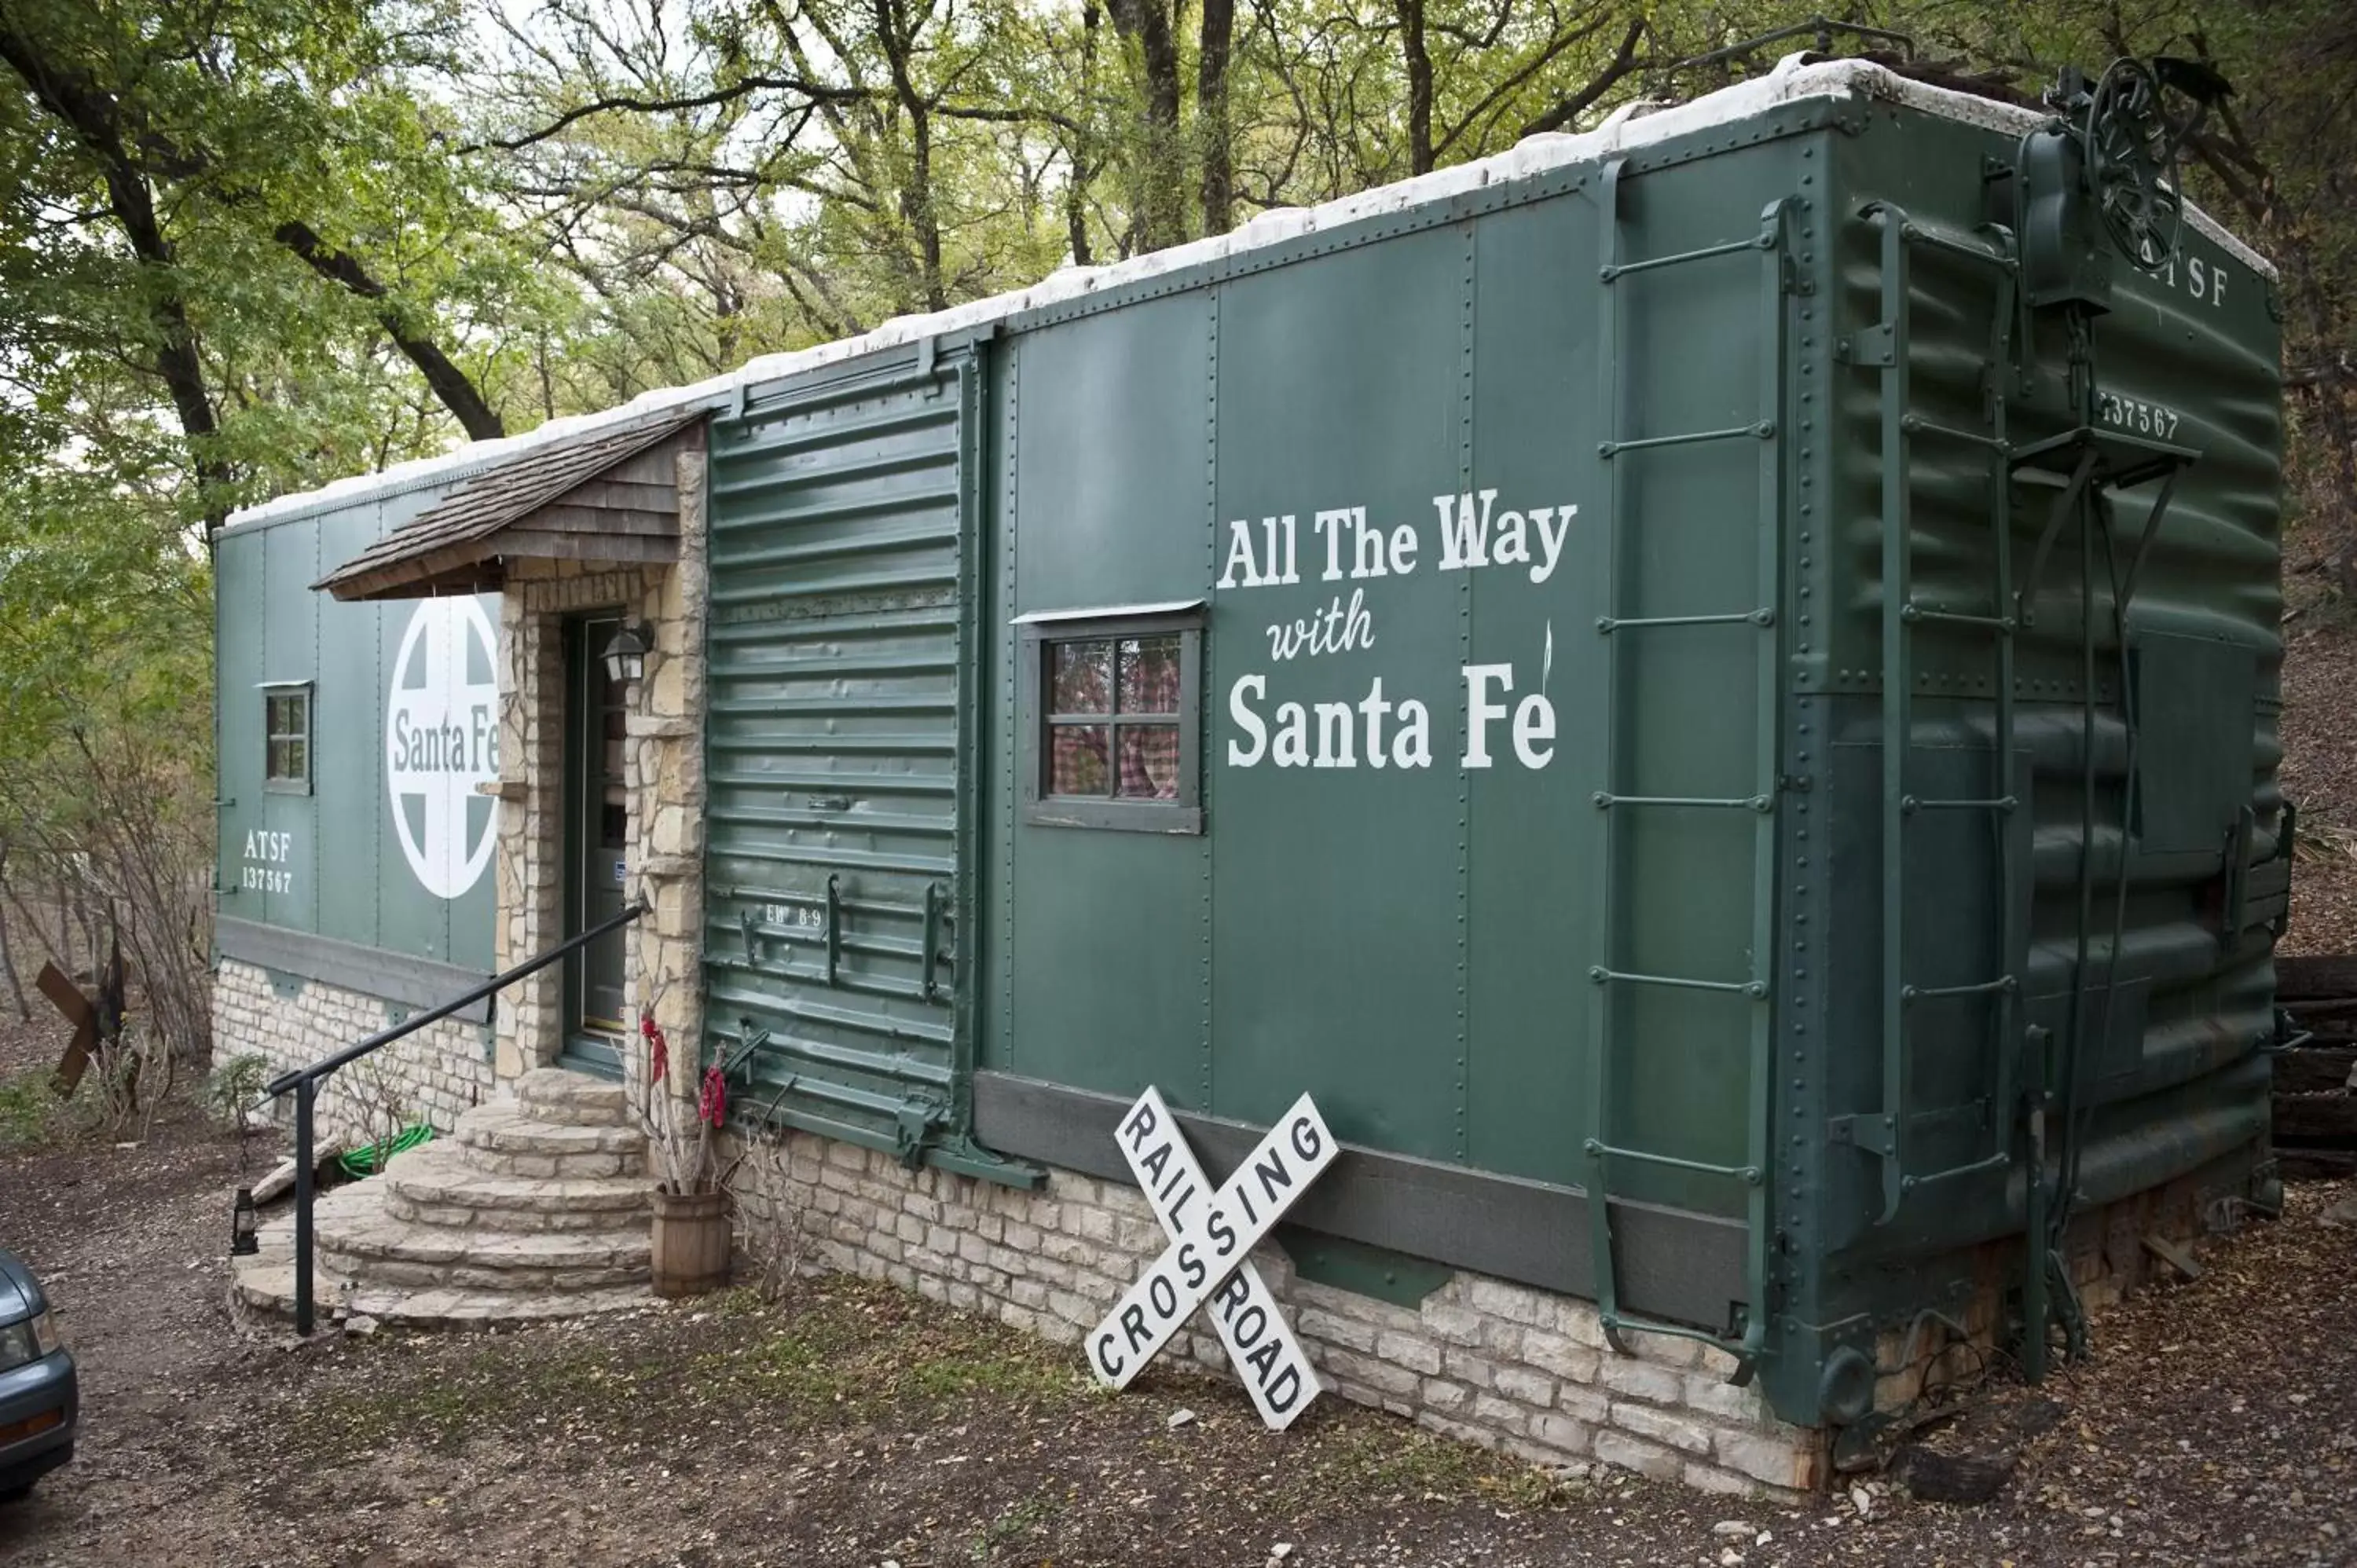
x=552, y=1094
x=534, y=1209
x=358, y=1237
x=265, y=1284
x=438, y=1186
x=510, y=1140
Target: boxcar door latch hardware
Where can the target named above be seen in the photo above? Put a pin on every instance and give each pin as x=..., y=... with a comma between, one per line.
x=833, y=925
x=740, y=1060
x=932, y=938
x=912, y=1129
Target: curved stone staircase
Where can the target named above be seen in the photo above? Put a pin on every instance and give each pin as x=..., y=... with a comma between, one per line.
x=533, y=1208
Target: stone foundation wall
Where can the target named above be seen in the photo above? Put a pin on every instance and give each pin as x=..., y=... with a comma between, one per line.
x=1481, y=1359
x=431, y=1076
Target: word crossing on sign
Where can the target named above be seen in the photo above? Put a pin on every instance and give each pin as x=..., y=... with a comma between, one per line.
x=1211, y=1241
x=1260, y=1345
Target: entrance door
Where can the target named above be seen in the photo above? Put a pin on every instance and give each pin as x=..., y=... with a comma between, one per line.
x=597, y=822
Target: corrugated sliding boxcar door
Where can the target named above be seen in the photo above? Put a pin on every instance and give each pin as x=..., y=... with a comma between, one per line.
x=834, y=750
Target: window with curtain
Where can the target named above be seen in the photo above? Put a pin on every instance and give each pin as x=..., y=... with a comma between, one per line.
x=1113, y=722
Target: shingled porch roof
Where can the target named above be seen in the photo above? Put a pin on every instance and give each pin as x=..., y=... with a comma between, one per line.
x=607, y=495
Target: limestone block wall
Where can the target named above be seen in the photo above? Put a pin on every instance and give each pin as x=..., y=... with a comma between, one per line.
x=530, y=857
x=431, y=1076
x=665, y=858
x=1481, y=1359
x=664, y=766
x=1485, y=1361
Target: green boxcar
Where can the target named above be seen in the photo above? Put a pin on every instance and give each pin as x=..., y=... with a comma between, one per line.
x=352, y=866
x=1642, y=676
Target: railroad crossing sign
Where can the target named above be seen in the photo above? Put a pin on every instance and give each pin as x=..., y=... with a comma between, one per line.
x=1207, y=1262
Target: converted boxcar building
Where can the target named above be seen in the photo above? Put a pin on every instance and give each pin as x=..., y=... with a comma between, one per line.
x=1707, y=687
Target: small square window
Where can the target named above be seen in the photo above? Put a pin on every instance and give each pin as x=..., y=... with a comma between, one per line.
x=286, y=739
x=1112, y=721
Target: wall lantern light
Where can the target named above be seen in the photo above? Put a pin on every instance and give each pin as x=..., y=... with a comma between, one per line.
x=626, y=655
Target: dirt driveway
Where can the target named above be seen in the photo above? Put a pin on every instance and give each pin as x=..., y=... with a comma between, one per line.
x=861, y=1427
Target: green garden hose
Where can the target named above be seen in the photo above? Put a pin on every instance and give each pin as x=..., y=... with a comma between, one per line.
x=370, y=1158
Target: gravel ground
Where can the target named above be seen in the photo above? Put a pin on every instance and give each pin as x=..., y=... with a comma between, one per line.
x=857, y=1426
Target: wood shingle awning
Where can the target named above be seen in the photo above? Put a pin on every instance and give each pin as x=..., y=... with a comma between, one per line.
x=610, y=496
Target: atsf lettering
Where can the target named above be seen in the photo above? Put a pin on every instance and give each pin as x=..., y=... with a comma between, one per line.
x=267, y=854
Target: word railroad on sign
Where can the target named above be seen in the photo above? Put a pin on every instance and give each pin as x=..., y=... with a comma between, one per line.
x=1208, y=1261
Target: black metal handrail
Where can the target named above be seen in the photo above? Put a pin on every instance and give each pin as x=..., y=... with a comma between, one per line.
x=305, y=1084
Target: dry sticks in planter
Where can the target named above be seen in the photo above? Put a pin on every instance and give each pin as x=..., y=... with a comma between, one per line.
x=684, y=1138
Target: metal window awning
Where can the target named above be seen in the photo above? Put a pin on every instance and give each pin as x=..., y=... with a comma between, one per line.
x=1108, y=612
x=607, y=495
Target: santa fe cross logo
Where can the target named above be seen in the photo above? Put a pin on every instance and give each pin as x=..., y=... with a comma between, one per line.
x=1208, y=1261
x=441, y=739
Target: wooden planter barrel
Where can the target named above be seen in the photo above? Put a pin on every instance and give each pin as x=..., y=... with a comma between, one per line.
x=690, y=1250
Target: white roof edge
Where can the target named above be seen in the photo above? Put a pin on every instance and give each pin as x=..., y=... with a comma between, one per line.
x=1108, y=612
x=1794, y=79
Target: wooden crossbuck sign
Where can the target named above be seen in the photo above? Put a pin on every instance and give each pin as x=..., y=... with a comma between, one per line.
x=1208, y=1258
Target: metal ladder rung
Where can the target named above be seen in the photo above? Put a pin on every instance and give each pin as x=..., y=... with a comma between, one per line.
x=1993, y=1162
x=2003, y=625
x=1612, y=271
x=1606, y=802
x=1608, y=625
x=1916, y=424
x=1935, y=236
x=1751, y=988
x=2002, y=805
x=1748, y=1174
x=1912, y=994
x=1763, y=430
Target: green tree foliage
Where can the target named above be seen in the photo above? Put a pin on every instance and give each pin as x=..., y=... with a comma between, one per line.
x=312, y=237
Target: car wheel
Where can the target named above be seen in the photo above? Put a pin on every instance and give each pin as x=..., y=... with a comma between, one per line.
x=15, y=1493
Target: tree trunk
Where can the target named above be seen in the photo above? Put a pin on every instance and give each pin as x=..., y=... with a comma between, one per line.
x=7, y=952
x=923, y=218
x=1419, y=84
x=451, y=386
x=1211, y=115
x=1076, y=190
x=917, y=209
x=1159, y=212
x=177, y=364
